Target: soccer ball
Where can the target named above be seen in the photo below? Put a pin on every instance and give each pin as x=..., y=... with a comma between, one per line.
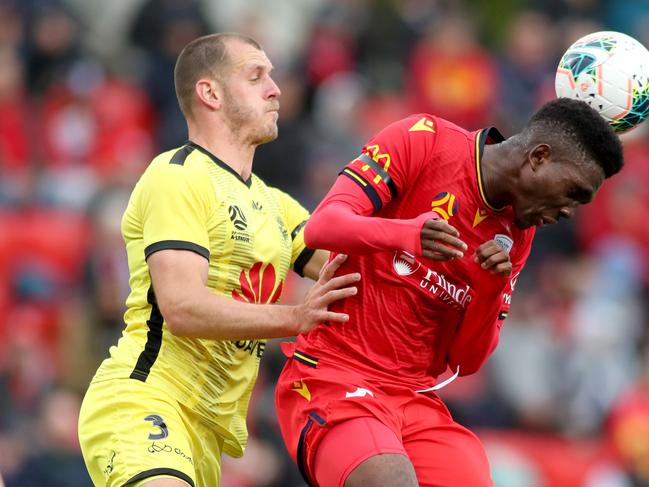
x=609, y=71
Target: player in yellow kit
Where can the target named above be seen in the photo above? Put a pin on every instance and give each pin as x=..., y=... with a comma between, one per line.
x=209, y=247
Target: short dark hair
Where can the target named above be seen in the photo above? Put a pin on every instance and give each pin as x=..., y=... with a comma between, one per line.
x=205, y=56
x=585, y=128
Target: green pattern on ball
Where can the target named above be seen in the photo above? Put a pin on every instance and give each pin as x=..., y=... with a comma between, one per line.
x=578, y=63
x=638, y=113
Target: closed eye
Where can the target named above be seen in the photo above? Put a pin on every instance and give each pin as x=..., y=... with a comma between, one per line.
x=258, y=71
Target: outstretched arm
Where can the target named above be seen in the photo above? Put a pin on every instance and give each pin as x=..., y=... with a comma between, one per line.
x=190, y=309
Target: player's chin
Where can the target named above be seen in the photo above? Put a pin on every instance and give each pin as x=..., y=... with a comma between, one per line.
x=267, y=135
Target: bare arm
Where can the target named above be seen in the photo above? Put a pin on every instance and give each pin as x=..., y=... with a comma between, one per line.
x=190, y=309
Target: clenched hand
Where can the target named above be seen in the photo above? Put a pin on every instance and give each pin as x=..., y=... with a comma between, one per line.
x=493, y=258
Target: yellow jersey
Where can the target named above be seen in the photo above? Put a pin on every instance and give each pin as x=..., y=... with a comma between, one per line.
x=251, y=234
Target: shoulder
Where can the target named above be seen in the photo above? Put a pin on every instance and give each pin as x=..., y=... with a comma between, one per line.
x=420, y=130
x=424, y=122
x=178, y=162
x=175, y=171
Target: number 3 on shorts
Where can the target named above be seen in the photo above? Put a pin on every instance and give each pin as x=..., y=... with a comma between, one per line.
x=160, y=423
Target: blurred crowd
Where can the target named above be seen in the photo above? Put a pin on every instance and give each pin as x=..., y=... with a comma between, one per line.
x=87, y=98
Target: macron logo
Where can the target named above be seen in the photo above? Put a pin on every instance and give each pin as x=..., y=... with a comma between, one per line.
x=360, y=392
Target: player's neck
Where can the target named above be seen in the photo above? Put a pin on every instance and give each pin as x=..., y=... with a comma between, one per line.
x=223, y=144
x=498, y=174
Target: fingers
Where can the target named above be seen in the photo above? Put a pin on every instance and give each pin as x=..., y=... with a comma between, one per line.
x=339, y=288
x=330, y=316
x=497, y=265
x=503, y=269
x=440, y=226
x=338, y=294
x=330, y=268
x=488, y=250
x=340, y=281
x=439, y=252
x=493, y=258
x=440, y=241
x=319, y=304
x=327, y=291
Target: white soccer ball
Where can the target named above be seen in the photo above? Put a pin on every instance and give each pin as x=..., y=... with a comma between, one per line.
x=609, y=71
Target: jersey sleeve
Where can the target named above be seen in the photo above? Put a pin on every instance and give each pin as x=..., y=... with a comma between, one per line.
x=295, y=217
x=392, y=159
x=478, y=334
x=176, y=202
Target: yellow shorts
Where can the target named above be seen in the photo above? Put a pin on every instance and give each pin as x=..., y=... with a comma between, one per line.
x=131, y=432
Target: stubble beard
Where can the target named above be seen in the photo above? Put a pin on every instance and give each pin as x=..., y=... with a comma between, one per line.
x=242, y=123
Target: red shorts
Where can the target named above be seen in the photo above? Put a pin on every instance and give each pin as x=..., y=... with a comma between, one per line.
x=315, y=398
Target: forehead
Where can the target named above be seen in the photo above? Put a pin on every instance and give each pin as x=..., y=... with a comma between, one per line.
x=245, y=56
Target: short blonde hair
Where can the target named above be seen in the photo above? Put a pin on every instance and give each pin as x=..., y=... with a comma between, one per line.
x=205, y=56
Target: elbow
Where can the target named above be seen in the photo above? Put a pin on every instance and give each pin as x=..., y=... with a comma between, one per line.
x=175, y=326
x=466, y=367
x=469, y=363
x=175, y=317
x=307, y=235
x=311, y=234
x=320, y=232
x=470, y=368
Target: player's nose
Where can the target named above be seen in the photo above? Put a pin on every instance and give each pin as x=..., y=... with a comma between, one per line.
x=273, y=90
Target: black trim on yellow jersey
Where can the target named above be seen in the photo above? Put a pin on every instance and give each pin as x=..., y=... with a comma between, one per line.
x=159, y=471
x=492, y=135
x=181, y=155
x=153, y=340
x=176, y=245
x=297, y=229
x=365, y=186
x=381, y=172
x=220, y=163
x=305, y=358
x=302, y=260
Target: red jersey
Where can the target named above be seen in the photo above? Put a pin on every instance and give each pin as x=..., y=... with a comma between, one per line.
x=413, y=317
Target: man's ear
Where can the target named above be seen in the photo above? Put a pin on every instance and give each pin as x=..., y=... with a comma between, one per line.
x=208, y=93
x=539, y=155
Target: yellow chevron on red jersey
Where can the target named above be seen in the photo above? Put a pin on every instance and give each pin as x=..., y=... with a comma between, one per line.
x=424, y=124
x=300, y=387
x=480, y=216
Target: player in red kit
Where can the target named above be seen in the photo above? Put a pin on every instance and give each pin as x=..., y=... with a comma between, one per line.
x=439, y=221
